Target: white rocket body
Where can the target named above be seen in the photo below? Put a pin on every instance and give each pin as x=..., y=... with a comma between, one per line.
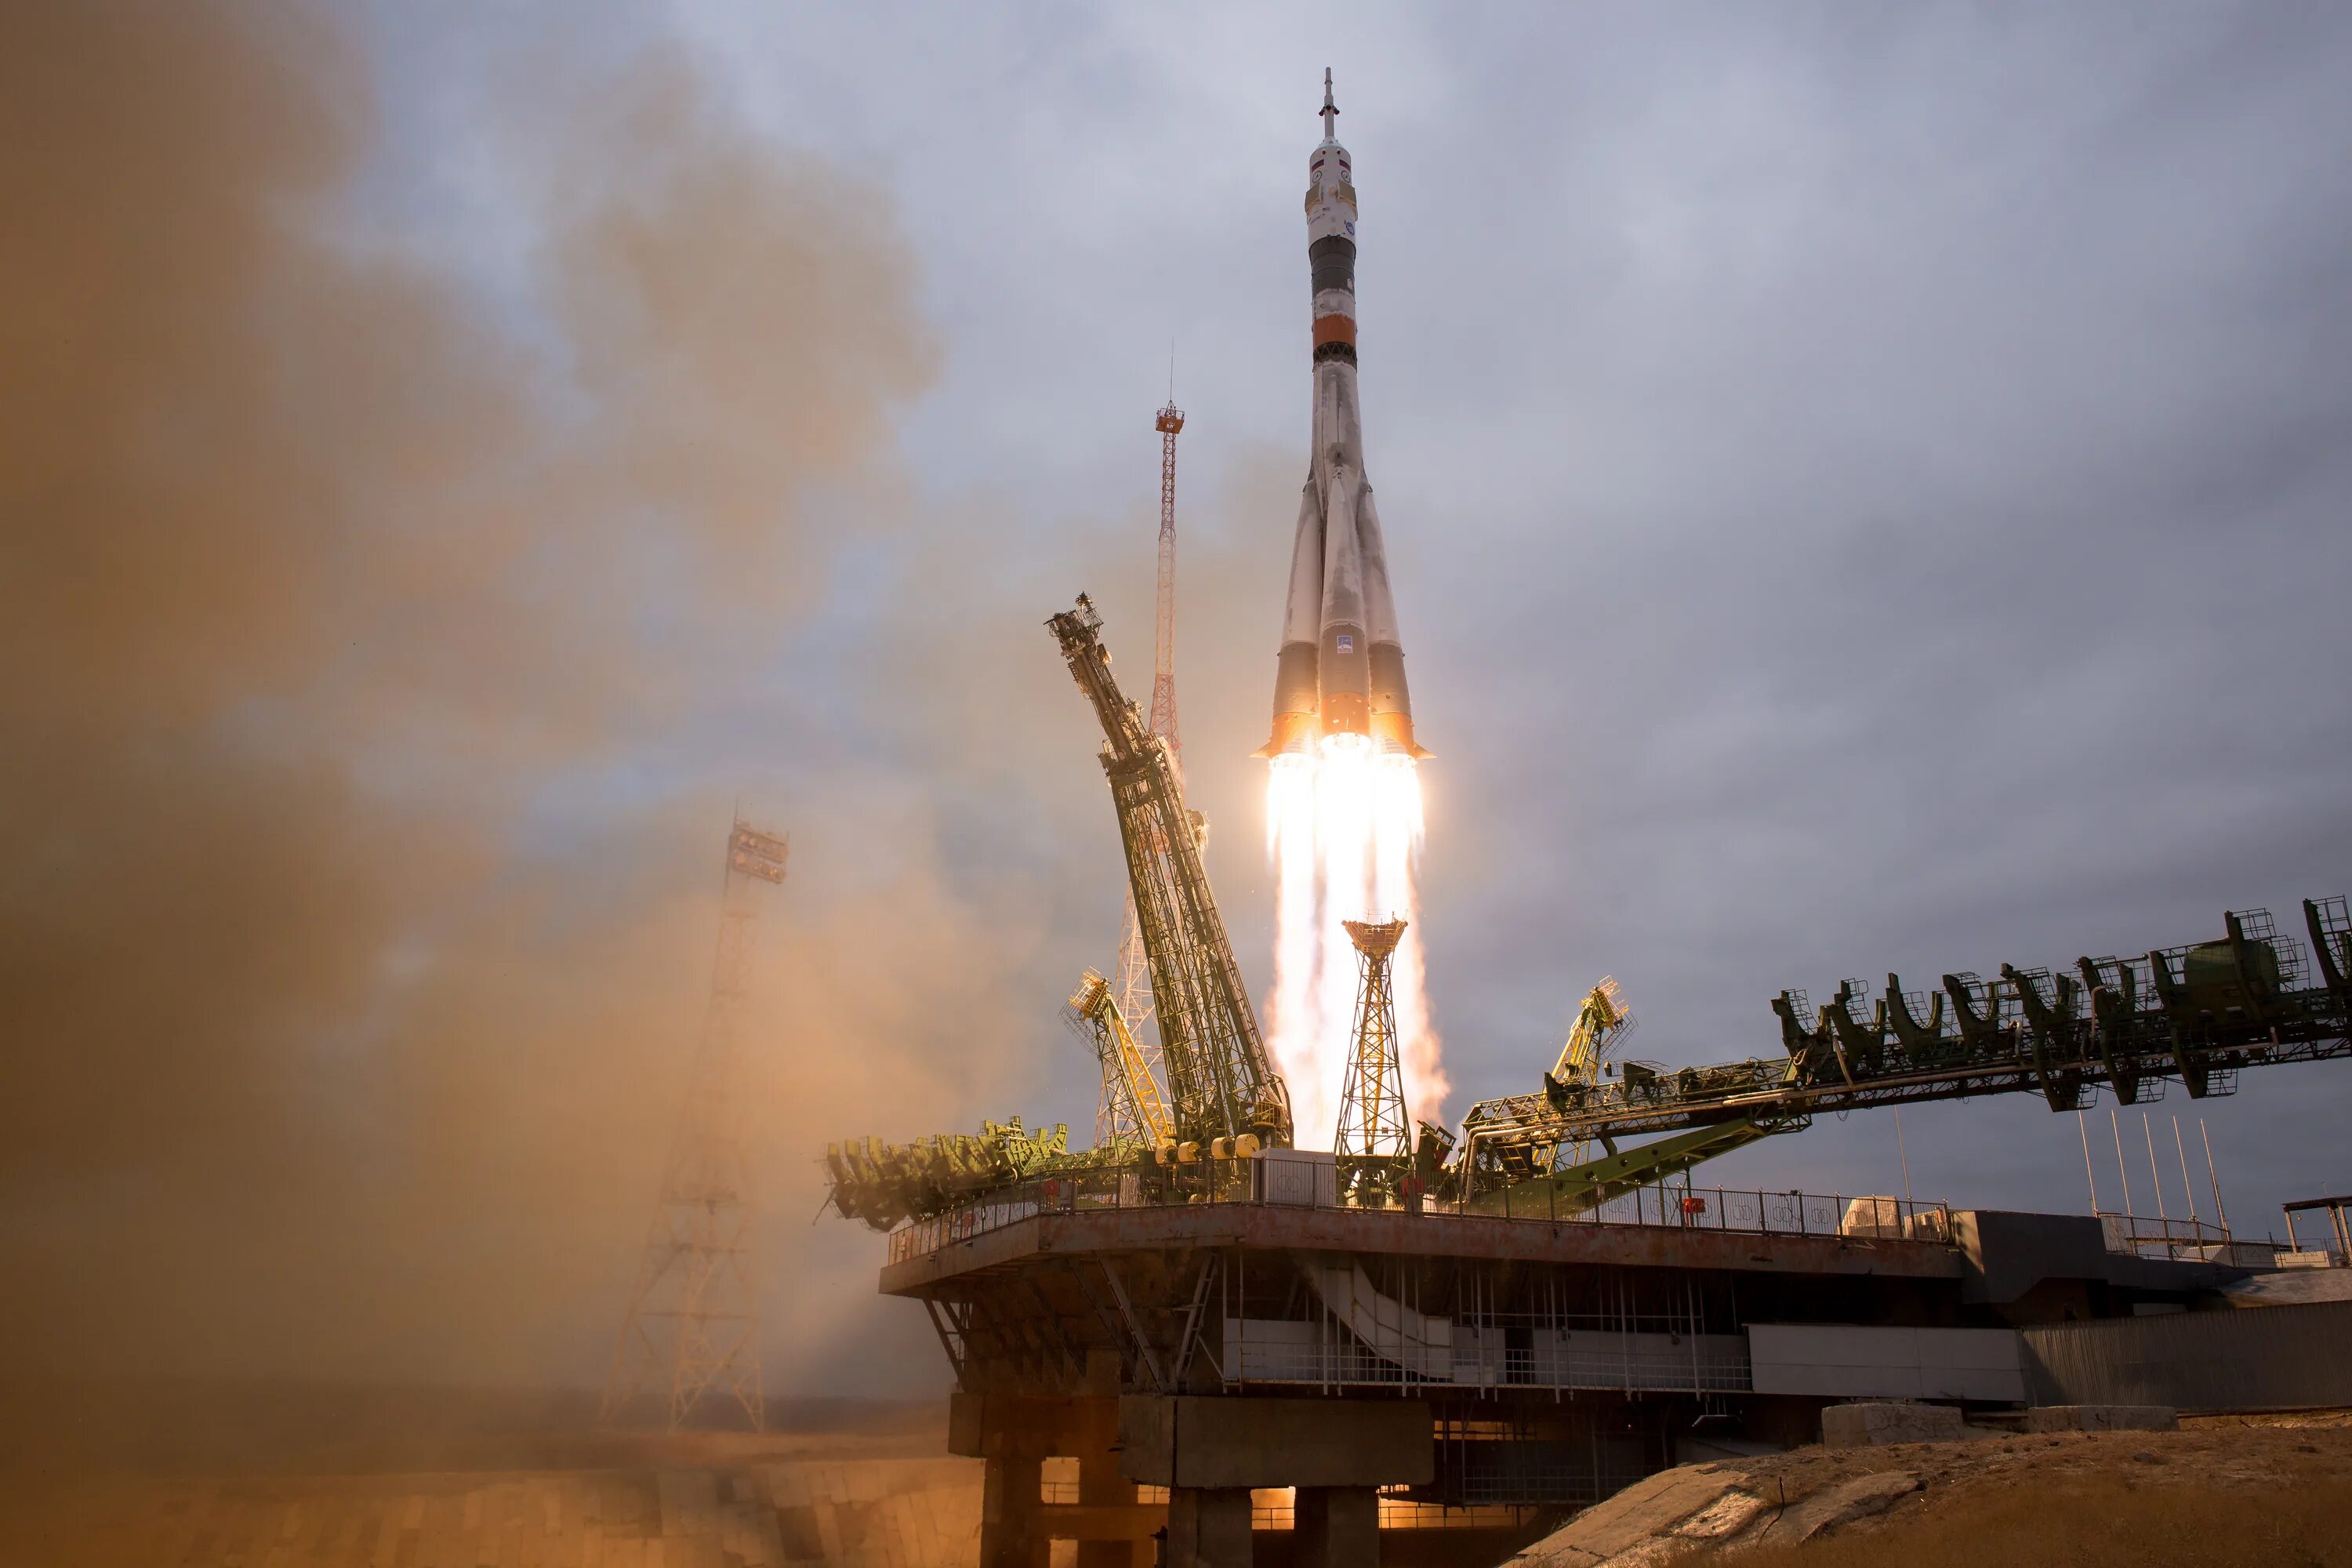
x=1342, y=667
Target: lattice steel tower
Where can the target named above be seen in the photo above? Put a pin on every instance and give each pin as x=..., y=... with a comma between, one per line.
x=1222, y=1084
x=1371, y=1105
x=1132, y=991
x=693, y=1323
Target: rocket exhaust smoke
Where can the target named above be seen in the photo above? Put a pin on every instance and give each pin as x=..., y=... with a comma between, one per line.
x=1343, y=800
x=349, y=969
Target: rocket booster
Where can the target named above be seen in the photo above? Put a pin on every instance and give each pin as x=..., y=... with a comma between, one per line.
x=1342, y=667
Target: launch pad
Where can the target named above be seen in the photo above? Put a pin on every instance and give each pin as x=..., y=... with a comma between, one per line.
x=1219, y=1332
x=1401, y=1369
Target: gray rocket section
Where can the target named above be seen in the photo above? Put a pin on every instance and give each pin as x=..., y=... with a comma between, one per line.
x=1342, y=667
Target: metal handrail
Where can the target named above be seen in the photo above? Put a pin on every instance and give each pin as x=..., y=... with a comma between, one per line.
x=1227, y=1182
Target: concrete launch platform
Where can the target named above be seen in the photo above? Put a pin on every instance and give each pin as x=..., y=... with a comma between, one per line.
x=1185, y=1353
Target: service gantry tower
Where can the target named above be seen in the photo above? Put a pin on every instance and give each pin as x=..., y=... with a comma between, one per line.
x=693, y=1321
x=1133, y=992
x=1224, y=1097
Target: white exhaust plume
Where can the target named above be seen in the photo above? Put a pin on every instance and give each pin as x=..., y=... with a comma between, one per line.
x=1344, y=828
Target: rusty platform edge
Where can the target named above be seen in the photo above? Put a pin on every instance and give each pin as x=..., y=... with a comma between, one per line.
x=1472, y=1237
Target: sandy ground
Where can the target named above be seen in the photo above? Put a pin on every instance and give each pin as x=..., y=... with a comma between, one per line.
x=2215, y=1452
x=162, y=1476
x=186, y=1477
x=2222, y=1491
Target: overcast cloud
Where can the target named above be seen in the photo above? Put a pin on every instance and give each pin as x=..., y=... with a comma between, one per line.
x=1867, y=490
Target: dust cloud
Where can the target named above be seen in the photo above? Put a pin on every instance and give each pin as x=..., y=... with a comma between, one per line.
x=341, y=1034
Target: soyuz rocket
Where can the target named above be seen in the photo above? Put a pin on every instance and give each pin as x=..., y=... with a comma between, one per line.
x=1341, y=669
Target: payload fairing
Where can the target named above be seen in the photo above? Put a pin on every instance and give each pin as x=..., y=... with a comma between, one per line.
x=1342, y=667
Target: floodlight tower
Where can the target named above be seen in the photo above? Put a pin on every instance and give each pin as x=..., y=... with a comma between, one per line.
x=1134, y=988
x=1372, y=1126
x=693, y=1321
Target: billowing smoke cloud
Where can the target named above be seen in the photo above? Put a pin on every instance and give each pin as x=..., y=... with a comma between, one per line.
x=346, y=971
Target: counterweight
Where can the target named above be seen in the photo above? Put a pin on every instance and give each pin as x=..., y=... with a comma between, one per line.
x=1224, y=1084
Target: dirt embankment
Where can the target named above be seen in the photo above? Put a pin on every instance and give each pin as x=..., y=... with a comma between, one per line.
x=2263, y=1493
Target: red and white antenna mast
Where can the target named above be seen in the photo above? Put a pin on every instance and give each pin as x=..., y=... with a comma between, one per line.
x=1134, y=983
x=1163, y=665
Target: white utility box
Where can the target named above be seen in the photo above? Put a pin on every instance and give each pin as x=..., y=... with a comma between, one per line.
x=1302, y=1177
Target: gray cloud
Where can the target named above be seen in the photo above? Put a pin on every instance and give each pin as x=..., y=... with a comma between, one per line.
x=1866, y=489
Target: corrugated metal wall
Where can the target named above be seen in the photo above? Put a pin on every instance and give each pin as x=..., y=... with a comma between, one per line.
x=2257, y=1358
x=1844, y=1362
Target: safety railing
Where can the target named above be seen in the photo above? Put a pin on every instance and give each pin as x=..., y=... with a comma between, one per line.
x=1239, y=1182
x=2183, y=1240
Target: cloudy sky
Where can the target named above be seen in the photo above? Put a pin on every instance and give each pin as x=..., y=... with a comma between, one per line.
x=1867, y=488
